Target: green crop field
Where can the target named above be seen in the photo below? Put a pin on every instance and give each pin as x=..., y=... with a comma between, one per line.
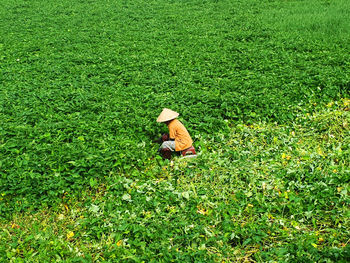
x=263, y=86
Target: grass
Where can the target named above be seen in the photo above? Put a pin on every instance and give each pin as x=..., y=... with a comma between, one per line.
x=262, y=86
x=322, y=21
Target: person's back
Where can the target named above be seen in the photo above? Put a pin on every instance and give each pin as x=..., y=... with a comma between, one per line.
x=179, y=133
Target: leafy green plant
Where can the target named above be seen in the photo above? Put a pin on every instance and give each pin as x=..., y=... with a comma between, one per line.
x=262, y=86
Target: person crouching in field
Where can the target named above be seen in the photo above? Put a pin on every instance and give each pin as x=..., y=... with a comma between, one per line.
x=178, y=139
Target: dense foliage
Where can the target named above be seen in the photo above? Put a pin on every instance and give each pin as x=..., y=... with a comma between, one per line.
x=260, y=85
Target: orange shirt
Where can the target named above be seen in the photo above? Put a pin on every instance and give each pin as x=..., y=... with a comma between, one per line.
x=178, y=132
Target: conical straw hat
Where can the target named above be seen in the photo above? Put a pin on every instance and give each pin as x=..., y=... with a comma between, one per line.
x=167, y=115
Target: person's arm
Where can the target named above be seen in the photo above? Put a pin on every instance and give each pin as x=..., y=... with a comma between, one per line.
x=165, y=137
x=172, y=133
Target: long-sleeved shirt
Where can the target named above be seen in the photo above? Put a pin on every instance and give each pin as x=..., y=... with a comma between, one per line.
x=178, y=132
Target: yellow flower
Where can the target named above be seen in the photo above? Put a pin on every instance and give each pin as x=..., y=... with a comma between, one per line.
x=15, y=226
x=285, y=156
x=70, y=234
x=202, y=211
x=346, y=102
x=119, y=243
x=330, y=104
